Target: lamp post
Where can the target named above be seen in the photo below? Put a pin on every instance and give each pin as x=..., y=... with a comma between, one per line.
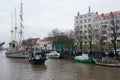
x=45, y=45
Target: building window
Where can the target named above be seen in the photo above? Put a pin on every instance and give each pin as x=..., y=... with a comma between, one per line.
x=85, y=37
x=85, y=20
x=85, y=15
x=77, y=27
x=117, y=21
x=104, y=32
x=85, y=31
x=118, y=41
x=80, y=21
x=96, y=30
x=76, y=21
x=113, y=41
x=89, y=20
x=89, y=25
x=104, y=38
x=85, y=42
x=80, y=32
x=84, y=26
x=118, y=34
x=104, y=26
x=81, y=27
x=89, y=37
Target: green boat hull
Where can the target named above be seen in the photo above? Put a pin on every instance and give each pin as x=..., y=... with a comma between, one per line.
x=83, y=61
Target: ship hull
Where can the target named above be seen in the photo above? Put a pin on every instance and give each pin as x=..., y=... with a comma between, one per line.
x=16, y=54
x=39, y=61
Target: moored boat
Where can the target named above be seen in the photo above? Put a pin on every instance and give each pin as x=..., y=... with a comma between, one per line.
x=106, y=61
x=36, y=56
x=16, y=53
x=16, y=48
x=108, y=64
x=53, y=54
x=82, y=59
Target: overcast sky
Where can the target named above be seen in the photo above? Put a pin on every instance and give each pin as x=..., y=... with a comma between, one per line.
x=42, y=16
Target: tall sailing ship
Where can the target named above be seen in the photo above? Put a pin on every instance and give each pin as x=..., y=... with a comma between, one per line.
x=16, y=49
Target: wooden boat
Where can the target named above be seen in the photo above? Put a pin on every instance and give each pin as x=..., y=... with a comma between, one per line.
x=37, y=56
x=82, y=59
x=53, y=54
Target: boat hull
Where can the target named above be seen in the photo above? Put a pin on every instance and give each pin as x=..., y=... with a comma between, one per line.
x=83, y=61
x=39, y=61
x=107, y=64
x=16, y=54
x=54, y=57
x=82, y=58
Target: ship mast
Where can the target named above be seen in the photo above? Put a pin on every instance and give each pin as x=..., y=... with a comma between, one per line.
x=21, y=24
x=15, y=25
x=12, y=27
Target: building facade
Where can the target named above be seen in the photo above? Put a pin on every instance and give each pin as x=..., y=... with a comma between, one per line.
x=95, y=29
x=107, y=27
x=46, y=43
x=84, y=26
x=32, y=43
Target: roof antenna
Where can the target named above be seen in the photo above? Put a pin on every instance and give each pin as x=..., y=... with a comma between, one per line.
x=89, y=9
x=78, y=14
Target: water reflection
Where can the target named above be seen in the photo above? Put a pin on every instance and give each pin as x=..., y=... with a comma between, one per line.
x=54, y=69
x=38, y=68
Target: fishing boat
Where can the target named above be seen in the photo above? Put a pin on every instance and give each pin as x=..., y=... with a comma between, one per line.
x=82, y=59
x=16, y=48
x=53, y=54
x=36, y=56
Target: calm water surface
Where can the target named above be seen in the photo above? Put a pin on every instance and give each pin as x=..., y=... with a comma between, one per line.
x=54, y=69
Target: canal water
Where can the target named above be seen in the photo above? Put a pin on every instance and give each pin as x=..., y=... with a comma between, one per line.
x=54, y=69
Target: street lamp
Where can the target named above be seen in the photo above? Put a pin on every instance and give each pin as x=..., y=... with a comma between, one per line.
x=45, y=45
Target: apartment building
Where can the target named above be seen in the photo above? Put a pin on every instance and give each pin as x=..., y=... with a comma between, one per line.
x=97, y=28
x=83, y=27
x=106, y=26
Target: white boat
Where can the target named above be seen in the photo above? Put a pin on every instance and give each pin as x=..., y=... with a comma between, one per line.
x=16, y=48
x=53, y=54
x=82, y=59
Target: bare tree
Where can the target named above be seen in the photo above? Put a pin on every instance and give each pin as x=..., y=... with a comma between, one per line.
x=79, y=38
x=90, y=37
x=62, y=40
x=115, y=28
